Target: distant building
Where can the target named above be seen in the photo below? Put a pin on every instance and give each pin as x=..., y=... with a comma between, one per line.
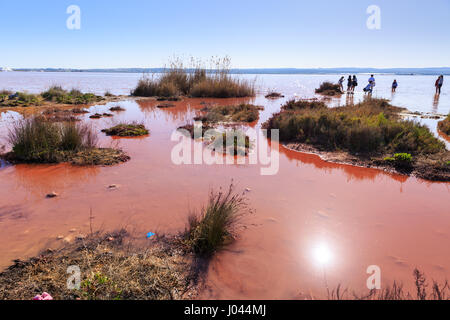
x=5, y=69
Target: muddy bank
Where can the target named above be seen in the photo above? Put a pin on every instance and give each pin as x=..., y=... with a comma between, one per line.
x=423, y=167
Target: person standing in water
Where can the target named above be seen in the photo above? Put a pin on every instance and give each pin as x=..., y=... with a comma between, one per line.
x=349, y=84
x=394, y=86
x=372, y=81
x=439, y=83
x=354, y=83
x=341, y=84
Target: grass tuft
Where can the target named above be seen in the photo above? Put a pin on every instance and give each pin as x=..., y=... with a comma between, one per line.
x=214, y=226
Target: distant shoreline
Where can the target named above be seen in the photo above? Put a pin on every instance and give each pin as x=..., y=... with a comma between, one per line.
x=280, y=71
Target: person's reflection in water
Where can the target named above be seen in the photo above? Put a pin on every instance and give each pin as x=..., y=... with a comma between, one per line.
x=436, y=102
x=350, y=99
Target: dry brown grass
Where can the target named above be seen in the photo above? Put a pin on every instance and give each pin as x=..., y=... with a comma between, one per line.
x=396, y=291
x=195, y=81
x=113, y=267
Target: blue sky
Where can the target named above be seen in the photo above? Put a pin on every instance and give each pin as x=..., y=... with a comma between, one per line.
x=255, y=34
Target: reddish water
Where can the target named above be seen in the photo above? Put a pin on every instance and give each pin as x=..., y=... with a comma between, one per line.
x=360, y=216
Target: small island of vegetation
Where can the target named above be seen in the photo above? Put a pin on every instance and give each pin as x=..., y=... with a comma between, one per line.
x=370, y=133
x=36, y=140
x=127, y=130
x=54, y=95
x=197, y=82
x=228, y=114
x=329, y=89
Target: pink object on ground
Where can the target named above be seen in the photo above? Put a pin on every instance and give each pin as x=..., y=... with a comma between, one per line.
x=44, y=296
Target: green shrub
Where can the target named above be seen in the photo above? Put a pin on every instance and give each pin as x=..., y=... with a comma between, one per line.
x=400, y=159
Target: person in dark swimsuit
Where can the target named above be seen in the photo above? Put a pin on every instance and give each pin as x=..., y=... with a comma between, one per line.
x=394, y=86
x=354, y=83
x=349, y=84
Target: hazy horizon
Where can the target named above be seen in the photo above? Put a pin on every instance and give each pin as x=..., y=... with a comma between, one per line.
x=280, y=71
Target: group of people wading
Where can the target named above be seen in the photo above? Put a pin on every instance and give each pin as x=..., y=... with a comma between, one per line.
x=352, y=83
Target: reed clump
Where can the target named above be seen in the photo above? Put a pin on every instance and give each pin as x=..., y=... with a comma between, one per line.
x=36, y=140
x=196, y=81
x=215, y=225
